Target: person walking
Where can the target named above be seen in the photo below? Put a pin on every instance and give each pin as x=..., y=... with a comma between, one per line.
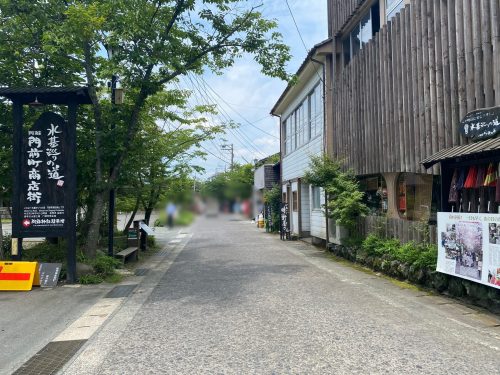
x=171, y=210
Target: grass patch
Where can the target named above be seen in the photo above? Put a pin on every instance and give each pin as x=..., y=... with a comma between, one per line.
x=115, y=278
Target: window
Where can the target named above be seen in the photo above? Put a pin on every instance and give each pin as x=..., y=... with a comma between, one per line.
x=361, y=33
x=375, y=198
x=393, y=7
x=415, y=196
x=305, y=122
x=316, y=198
x=295, y=201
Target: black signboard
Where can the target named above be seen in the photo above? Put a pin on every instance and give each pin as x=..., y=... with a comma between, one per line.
x=481, y=124
x=269, y=217
x=285, y=222
x=49, y=274
x=43, y=187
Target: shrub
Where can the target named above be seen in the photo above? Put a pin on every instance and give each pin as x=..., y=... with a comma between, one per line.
x=46, y=252
x=91, y=279
x=419, y=255
x=151, y=242
x=105, y=266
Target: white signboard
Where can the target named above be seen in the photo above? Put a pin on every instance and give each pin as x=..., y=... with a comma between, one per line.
x=146, y=229
x=469, y=246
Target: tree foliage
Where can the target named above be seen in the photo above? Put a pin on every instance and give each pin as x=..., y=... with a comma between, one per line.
x=55, y=43
x=233, y=185
x=344, y=198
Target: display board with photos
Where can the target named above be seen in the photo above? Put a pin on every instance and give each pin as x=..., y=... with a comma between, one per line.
x=469, y=246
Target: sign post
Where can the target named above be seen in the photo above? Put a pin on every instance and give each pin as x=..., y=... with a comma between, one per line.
x=44, y=167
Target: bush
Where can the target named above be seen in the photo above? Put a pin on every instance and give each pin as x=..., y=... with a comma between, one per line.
x=7, y=244
x=46, y=252
x=151, y=242
x=412, y=254
x=105, y=266
x=91, y=279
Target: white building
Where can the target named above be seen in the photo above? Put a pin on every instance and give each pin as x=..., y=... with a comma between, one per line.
x=302, y=120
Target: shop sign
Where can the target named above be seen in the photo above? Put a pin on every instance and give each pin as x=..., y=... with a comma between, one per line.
x=481, y=124
x=47, y=275
x=43, y=176
x=469, y=246
x=285, y=222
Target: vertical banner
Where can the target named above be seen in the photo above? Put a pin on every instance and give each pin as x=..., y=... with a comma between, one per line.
x=469, y=246
x=285, y=222
x=42, y=209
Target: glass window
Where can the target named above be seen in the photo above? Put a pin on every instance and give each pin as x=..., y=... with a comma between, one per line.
x=415, y=196
x=394, y=7
x=346, y=50
x=295, y=201
x=375, y=190
x=361, y=33
x=316, y=198
x=366, y=29
x=355, y=40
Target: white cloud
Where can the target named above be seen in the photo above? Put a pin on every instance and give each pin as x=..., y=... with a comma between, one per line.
x=251, y=94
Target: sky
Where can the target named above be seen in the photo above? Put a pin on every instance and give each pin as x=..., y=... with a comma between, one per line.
x=244, y=95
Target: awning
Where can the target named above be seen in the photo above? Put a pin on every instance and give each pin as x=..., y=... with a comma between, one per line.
x=464, y=150
x=47, y=95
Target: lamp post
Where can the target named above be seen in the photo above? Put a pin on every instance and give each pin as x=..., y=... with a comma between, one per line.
x=111, y=204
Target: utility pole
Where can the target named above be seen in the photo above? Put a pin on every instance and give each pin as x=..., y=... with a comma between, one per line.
x=229, y=148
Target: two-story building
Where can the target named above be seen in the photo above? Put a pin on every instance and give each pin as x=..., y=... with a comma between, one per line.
x=404, y=75
x=302, y=128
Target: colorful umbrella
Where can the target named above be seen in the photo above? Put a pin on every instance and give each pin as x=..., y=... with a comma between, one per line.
x=453, y=196
x=461, y=180
x=470, y=182
x=491, y=176
x=481, y=172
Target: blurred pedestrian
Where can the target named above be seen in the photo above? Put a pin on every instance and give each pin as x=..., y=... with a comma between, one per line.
x=171, y=210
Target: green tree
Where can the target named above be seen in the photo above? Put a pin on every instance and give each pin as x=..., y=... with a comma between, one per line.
x=63, y=43
x=344, y=198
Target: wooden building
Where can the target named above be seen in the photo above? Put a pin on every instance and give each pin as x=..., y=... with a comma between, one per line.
x=402, y=76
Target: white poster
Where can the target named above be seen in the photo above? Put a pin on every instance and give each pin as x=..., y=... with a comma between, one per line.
x=469, y=246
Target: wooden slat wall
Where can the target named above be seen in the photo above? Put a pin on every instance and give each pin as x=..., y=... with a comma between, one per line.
x=401, y=98
x=342, y=11
x=401, y=229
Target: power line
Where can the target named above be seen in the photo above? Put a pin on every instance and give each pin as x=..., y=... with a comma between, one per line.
x=235, y=111
x=208, y=99
x=296, y=26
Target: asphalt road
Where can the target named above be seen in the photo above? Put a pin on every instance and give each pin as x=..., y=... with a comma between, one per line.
x=234, y=300
x=30, y=320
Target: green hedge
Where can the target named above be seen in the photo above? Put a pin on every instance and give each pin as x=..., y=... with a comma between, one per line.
x=420, y=255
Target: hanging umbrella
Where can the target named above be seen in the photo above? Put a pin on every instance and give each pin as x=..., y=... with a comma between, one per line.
x=481, y=172
x=453, y=196
x=491, y=176
x=470, y=182
x=461, y=180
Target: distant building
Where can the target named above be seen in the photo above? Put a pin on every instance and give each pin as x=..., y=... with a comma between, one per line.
x=266, y=175
x=301, y=112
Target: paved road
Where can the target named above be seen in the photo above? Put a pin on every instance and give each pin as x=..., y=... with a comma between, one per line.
x=237, y=301
x=30, y=320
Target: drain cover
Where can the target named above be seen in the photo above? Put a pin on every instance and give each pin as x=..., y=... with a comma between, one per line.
x=51, y=358
x=121, y=291
x=161, y=253
x=141, y=271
